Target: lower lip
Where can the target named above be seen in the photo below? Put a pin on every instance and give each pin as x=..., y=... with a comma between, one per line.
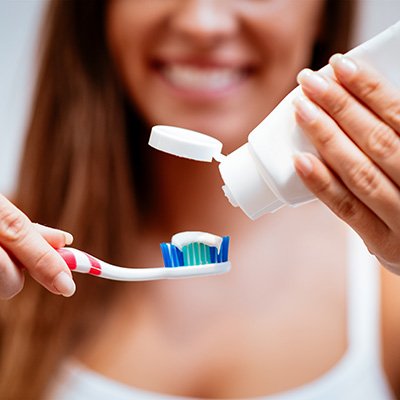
x=202, y=94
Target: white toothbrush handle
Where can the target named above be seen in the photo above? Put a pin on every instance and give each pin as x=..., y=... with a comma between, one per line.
x=79, y=261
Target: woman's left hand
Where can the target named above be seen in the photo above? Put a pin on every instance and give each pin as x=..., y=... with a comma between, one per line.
x=353, y=121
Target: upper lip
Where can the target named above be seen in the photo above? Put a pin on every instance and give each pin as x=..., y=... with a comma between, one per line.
x=205, y=61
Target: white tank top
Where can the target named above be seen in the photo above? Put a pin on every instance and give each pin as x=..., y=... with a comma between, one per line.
x=357, y=376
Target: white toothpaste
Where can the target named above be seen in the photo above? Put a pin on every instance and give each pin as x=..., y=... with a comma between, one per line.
x=184, y=238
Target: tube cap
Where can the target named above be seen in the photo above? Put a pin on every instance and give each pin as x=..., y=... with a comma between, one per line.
x=185, y=143
x=245, y=186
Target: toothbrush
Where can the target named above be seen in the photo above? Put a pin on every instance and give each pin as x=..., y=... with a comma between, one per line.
x=187, y=260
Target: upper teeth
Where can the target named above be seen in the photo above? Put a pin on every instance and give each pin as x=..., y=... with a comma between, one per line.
x=189, y=77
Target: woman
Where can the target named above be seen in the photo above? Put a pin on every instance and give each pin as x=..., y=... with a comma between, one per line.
x=282, y=318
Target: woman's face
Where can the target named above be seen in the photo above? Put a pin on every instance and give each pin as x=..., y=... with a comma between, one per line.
x=216, y=66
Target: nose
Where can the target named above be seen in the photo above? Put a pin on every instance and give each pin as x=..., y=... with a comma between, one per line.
x=204, y=22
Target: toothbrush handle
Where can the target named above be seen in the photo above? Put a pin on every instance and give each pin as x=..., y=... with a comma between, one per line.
x=80, y=261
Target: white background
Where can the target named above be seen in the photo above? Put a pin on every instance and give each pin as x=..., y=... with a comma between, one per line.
x=19, y=22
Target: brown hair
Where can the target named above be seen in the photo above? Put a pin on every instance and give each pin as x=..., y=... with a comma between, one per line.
x=76, y=175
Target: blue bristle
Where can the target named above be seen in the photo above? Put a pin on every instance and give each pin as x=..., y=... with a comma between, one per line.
x=177, y=259
x=165, y=254
x=213, y=254
x=219, y=255
x=180, y=257
x=225, y=242
x=172, y=254
x=223, y=251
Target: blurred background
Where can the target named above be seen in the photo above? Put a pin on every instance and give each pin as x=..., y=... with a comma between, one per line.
x=19, y=26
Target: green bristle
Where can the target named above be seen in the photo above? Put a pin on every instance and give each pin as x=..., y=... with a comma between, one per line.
x=185, y=251
x=205, y=254
x=196, y=254
x=186, y=255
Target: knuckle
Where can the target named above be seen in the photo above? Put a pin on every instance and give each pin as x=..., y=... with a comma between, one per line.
x=324, y=138
x=45, y=267
x=339, y=106
x=322, y=187
x=345, y=208
x=393, y=114
x=41, y=266
x=364, y=179
x=382, y=142
x=13, y=225
x=369, y=88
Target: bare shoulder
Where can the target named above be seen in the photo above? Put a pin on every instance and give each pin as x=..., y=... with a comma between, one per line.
x=391, y=327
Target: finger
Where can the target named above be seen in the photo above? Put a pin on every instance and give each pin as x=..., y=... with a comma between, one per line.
x=370, y=87
x=377, y=139
x=355, y=169
x=323, y=183
x=55, y=237
x=21, y=239
x=11, y=277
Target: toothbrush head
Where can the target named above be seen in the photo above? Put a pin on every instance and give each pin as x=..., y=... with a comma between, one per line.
x=194, y=253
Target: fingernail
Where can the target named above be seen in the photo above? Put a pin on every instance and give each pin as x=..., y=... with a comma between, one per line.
x=68, y=238
x=343, y=64
x=303, y=164
x=64, y=284
x=312, y=81
x=305, y=108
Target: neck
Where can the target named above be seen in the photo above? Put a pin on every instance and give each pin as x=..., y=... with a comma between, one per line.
x=191, y=198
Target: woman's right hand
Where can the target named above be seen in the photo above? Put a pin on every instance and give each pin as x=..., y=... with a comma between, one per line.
x=31, y=247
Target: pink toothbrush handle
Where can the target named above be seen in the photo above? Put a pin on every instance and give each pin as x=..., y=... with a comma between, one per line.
x=80, y=261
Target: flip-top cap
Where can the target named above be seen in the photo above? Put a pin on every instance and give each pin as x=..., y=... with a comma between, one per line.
x=185, y=143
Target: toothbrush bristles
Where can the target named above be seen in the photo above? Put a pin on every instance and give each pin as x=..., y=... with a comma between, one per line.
x=194, y=254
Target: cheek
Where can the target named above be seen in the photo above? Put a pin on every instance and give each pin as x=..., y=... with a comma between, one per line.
x=129, y=26
x=286, y=34
x=297, y=46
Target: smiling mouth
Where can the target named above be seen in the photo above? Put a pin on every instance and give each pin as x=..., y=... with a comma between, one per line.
x=200, y=78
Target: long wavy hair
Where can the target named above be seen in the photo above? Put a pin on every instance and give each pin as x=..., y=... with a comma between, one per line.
x=80, y=171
